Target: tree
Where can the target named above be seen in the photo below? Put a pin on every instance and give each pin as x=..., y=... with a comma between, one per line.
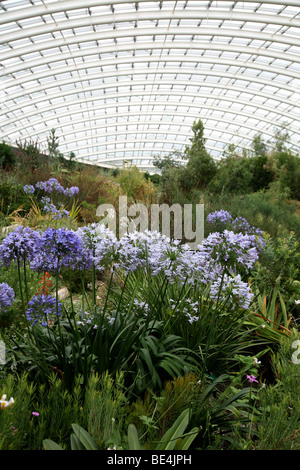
x=7, y=156
x=52, y=141
x=201, y=167
x=258, y=145
x=172, y=160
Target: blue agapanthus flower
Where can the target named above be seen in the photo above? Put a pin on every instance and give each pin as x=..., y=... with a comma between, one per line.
x=233, y=250
x=219, y=216
x=57, y=248
x=233, y=290
x=42, y=308
x=7, y=296
x=29, y=189
x=55, y=212
x=241, y=225
x=52, y=185
x=71, y=191
x=19, y=245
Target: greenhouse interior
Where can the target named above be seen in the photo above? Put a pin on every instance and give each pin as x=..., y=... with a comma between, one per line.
x=150, y=227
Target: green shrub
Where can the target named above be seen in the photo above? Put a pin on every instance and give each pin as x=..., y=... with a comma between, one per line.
x=279, y=404
x=13, y=198
x=7, y=156
x=20, y=429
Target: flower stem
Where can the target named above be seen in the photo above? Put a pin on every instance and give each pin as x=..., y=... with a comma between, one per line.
x=25, y=280
x=20, y=285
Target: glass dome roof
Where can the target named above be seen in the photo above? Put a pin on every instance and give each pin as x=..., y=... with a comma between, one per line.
x=125, y=80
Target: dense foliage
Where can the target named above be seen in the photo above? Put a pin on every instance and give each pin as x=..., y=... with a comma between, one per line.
x=138, y=341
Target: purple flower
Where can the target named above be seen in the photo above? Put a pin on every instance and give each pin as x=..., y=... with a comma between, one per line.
x=53, y=210
x=233, y=250
x=251, y=378
x=7, y=296
x=241, y=225
x=29, y=189
x=233, y=290
x=57, y=248
x=52, y=185
x=42, y=308
x=71, y=191
x=219, y=216
x=21, y=244
x=49, y=186
x=98, y=245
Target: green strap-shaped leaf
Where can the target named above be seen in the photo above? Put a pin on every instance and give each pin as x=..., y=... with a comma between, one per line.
x=185, y=443
x=284, y=312
x=169, y=440
x=84, y=437
x=133, y=439
x=51, y=445
x=75, y=443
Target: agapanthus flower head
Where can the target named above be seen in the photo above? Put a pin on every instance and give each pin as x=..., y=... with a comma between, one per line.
x=219, y=216
x=21, y=244
x=241, y=225
x=7, y=296
x=29, y=189
x=52, y=185
x=232, y=290
x=42, y=308
x=98, y=242
x=51, y=209
x=71, y=191
x=94, y=235
x=233, y=250
x=148, y=249
x=57, y=248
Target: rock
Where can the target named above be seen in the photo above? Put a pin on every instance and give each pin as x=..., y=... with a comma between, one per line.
x=63, y=293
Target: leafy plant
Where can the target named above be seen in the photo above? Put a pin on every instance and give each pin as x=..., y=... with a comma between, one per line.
x=38, y=411
x=174, y=439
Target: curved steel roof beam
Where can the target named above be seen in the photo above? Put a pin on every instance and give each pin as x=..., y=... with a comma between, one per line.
x=204, y=60
x=35, y=101
x=208, y=127
x=62, y=6
x=176, y=113
x=173, y=71
x=101, y=107
x=188, y=45
x=94, y=20
x=158, y=31
x=183, y=94
x=157, y=131
x=105, y=96
x=179, y=114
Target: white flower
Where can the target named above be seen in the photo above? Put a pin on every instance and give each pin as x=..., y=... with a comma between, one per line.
x=256, y=361
x=297, y=302
x=4, y=403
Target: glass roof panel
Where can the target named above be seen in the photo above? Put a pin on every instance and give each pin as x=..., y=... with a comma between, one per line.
x=126, y=79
